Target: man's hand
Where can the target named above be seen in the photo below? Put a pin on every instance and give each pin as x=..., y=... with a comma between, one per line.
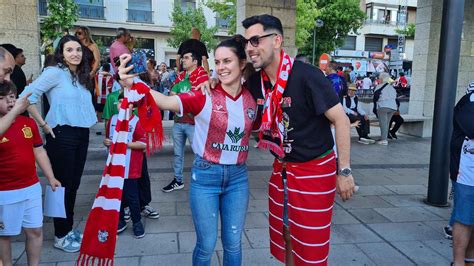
x=345, y=186
x=21, y=104
x=54, y=183
x=107, y=142
x=126, y=80
x=206, y=87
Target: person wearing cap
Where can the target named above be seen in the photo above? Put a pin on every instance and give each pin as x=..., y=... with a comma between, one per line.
x=462, y=175
x=385, y=104
x=355, y=113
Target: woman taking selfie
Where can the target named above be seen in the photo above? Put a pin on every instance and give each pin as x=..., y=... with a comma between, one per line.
x=66, y=127
x=223, y=122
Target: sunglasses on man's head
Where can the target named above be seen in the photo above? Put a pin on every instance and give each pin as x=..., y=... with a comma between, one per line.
x=255, y=40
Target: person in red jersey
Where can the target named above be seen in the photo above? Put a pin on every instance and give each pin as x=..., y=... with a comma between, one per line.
x=20, y=191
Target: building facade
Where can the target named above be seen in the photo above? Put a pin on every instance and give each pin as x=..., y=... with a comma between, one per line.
x=376, y=44
x=148, y=20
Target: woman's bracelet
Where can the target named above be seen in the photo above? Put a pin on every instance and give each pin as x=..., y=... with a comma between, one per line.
x=45, y=123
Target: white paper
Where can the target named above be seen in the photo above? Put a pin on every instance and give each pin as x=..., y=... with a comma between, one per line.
x=54, y=202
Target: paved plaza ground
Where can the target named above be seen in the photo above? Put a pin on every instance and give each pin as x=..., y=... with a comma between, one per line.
x=385, y=223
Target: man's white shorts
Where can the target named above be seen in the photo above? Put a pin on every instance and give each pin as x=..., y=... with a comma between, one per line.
x=27, y=214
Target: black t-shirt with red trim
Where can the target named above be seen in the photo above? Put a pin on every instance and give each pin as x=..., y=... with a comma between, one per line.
x=308, y=95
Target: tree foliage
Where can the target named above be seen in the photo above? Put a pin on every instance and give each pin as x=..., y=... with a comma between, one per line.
x=225, y=10
x=340, y=17
x=62, y=16
x=306, y=14
x=183, y=22
x=409, y=32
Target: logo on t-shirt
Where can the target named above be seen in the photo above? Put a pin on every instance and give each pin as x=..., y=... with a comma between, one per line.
x=251, y=113
x=236, y=135
x=3, y=140
x=27, y=132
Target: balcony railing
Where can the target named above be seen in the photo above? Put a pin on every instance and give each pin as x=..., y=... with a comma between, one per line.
x=91, y=11
x=43, y=7
x=381, y=22
x=142, y=16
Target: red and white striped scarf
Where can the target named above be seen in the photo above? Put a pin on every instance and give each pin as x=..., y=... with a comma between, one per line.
x=271, y=130
x=100, y=234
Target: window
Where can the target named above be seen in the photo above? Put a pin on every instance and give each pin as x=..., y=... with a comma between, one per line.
x=185, y=4
x=373, y=44
x=93, y=9
x=140, y=11
x=43, y=7
x=349, y=43
x=222, y=23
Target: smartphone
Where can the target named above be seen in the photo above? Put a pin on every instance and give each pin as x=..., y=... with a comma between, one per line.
x=138, y=61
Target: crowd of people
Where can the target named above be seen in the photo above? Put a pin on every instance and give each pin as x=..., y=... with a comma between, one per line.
x=256, y=85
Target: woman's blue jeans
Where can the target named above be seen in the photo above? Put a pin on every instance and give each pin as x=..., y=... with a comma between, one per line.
x=218, y=189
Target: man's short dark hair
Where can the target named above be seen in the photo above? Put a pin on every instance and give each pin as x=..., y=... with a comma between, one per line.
x=106, y=67
x=268, y=22
x=351, y=68
x=6, y=88
x=194, y=55
x=122, y=32
x=11, y=49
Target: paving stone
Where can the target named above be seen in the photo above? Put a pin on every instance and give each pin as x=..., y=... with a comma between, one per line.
x=444, y=213
x=352, y=233
x=369, y=216
x=18, y=248
x=368, y=190
x=183, y=208
x=340, y=216
x=187, y=241
x=348, y=254
x=259, y=193
x=128, y=261
x=406, y=231
x=384, y=254
x=168, y=224
x=364, y=180
x=256, y=257
x=258, y=238
x=49, y=254
x=363, y=202
x=151, y=244
x=443, y=247
x=257, y=206
x=174, y=260
x=256, y=220
x=407, y=214
x=164, y=208
x=405, y=200
x=408, y=189
x=420, y=253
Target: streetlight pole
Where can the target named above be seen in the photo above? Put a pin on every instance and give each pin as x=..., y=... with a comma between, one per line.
x=317, y=24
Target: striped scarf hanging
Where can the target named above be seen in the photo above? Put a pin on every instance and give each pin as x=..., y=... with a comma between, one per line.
x=100, y=234
x=271, y=131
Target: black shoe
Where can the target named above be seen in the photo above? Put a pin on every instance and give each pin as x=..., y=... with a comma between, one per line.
x=174, y=185
x=122, y=225
x=389, y=136
x=393, y=134
x=448, y=232
x=138, y=230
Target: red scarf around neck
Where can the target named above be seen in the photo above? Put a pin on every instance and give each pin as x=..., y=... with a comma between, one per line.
x=100, y=234
x=272, y=128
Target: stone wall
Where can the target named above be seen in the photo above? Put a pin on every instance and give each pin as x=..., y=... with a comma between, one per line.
x=285, y=10
x=425, y=61
x=19, y=26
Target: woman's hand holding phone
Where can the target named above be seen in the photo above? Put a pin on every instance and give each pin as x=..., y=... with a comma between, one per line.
x=126, y=79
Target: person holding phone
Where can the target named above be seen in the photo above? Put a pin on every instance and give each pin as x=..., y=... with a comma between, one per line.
x=66, y=126
x=219, y=182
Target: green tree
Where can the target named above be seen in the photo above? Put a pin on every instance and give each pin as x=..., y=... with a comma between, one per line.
x=340, y=17
x=183, y=22
x=306, y=14
x=409, y=31
x=225, y=10
x=62, y=16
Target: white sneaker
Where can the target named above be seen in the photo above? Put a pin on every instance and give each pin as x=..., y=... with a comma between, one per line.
x=368, y=140
x=362, y=141
x=67, y=243
x=382, y=142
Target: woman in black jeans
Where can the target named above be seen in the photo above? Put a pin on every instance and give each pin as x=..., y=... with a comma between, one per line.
x=71, y=114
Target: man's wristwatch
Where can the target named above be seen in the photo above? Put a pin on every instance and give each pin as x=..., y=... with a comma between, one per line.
x=345, y=171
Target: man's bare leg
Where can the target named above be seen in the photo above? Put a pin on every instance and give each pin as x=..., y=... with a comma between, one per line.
x=470, y=250
x=34, y=242
x=5, y=251
x=288, y=247
x=461, y=239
